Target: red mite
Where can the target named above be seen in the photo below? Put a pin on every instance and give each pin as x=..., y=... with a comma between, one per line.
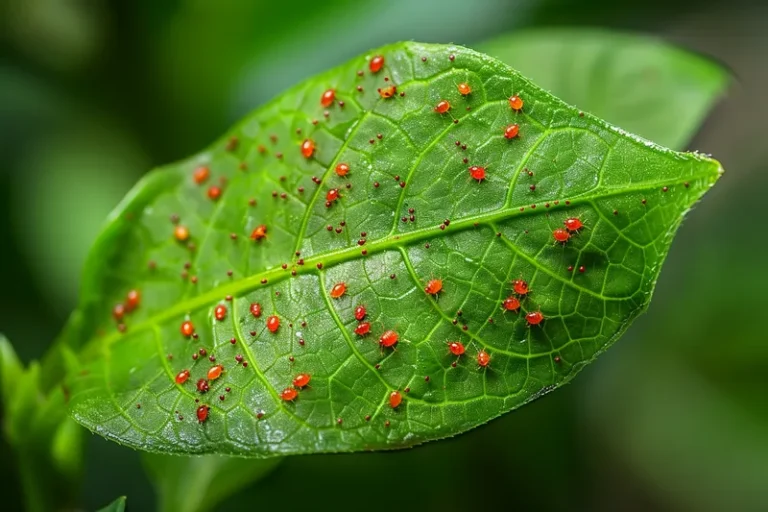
x=520, y=287
x=202, y=386
x=181, y=233
x=456, y=348
x=215, y=372
x=202, y=413
x=214, y=192
x=395, y=399
x=573, y=224
x=387, y=92
x=327, y=98
x=464, y=89
x=511, y=304
x=376, y=64
x=332, y=195
x=516, y=103
x=308, y=148
x=220, y=312
x=273, y=323
x=363, y=328
x=534, y=317
x=118, y=312
x=477, y=172
x=201, y=175
x=434, y=286
x=511, y=131
x=338, y=290
x=483, y=359
x=187, y=328
x=289, y=394
x=259, y=232
x=360, y=313
x=132, y=300
x=389, y=339
x=301, y=380
x=342, y=169
x=182, y=377
x=256, y=309
x=561, y=235
x=442, y=107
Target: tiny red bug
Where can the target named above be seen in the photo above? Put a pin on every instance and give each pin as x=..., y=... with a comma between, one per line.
x=181, y=233
x=360, y=312
x=561, y=235
x=442, y=107
x=387, y=92
x=573, y=224
x=118, y=312
x=534, y=317
x=388, y=339
x=342, y=169
x=220, y=312
x=187, y=328
x=456, y=348
x=327, y=98
x=214, y=372
x=363, y=328
x=511, y=131
x=520, y=287
x=515, y=103
x=464, y=88
x=434, y=286
x=259, y=232
x=338, y=290
x=332, y=195
x=376, y=63
x=182, y=377
x=511, y=304
x=202, y=413
x=273, y=323
x=308, y=148
x=201, y=174
x=289, y=394
x=395, y=399
x=256, y=309
x=202, y=386
x=214, y=192
x=301, y=380
x=483, y=358
x=132, y=300
x=477, y=172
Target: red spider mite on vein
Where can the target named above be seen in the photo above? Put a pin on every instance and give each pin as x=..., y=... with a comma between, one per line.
x=187, y=328
x=308, y=148
x=202, y=413
x=301, y=380
x=477, y=172
x=132, y=300
x=360, y=312
x=520, y=287
x=561, y=235
x=483, y=358
x=256, y=309
x=289, y=394
x=456, y=348
x=214, y=372
x=182, y=376
x=389, y=339
x=273, y=323
x=338, y=290
x=442, y=107
x=464, y=88
x=327, y=98
x=377, y=62
x=201, y=174
x=534, y=317
x=220, y=312
x=573, y=224
x=395, y=399
x=259, y=232
x=363, y=328
x=342, y=169
x=511, y=131
x=387, y=92
x=511, y=304
x=516, y=103
x=434, y=286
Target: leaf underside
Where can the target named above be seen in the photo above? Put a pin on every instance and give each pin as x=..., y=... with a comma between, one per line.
x=405, y=160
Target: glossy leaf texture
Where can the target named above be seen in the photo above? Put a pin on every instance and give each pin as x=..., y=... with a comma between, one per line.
x=406, y=212
x=638, y=82
x=116, y=506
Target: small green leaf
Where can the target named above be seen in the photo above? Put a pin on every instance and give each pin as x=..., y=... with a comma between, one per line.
x=199, y=483
x=10, y=369
x=640, y=83
x=405, y=159
x=116, y=506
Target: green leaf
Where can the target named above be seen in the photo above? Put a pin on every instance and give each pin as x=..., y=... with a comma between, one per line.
x=640, y=83
x=116, y=506
x=199, y=483
x=630, y=194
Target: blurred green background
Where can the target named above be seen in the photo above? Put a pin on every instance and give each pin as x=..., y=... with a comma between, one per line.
x=93, y=93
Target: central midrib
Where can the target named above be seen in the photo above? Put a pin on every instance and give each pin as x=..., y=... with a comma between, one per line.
x=277, y=274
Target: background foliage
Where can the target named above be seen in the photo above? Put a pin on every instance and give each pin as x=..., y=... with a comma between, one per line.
x=124, y=86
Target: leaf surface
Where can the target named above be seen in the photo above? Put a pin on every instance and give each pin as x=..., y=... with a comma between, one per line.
x=404, y=160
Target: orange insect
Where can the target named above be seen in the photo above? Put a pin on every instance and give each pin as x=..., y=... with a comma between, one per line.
x=220, y=312
x=442, y=107
x=327, y=98
x=434, y=286
x=389, y=339
x=376, y=63
x=388, y=92
x=520, y=287
x=187, y=328
x=395, y=399
x=182, y=377
x=338, y=290
x=301, y=380
x=456, y=348
x=511, y=304
x=464, y=88
x=511, y=131
x=273, y=323
x=201, y=174
x=534, y=318
x=181, y=233
x=289, y=394
x=342, y=169
x=516, y=103
x=308, y=148
x=214, y=372
x=259, y=232
x=561, y=235
x=483, y=358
